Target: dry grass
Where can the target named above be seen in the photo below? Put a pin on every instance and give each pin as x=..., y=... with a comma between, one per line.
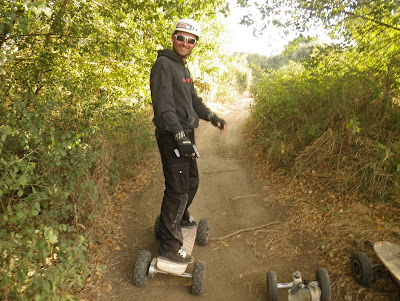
x=351, y=165
x=328, y=225
x=106, y=230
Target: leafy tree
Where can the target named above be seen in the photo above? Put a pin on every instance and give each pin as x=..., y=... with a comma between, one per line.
x=337, y=112
x=296, y=50
x=332, y=13
x=74, y=115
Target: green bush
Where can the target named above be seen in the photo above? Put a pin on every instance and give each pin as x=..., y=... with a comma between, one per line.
x=49, y=190
x=309, y=119
x=45, y=166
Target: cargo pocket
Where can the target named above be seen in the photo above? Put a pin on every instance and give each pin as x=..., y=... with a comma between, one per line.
x=177, y=179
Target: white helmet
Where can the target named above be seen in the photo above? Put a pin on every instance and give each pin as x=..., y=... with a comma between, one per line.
x=188, y=25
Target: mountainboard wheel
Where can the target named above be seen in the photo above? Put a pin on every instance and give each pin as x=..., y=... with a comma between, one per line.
x=199, y=275
x=202, y=232
x=141, y=269
x=272, y=286
x=157, y=228
x=362, y=268
x=322, y=277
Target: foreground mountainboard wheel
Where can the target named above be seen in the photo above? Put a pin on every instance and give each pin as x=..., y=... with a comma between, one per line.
x=362, y=268
x=146, y=267
x=272, y=286
x=389, y=255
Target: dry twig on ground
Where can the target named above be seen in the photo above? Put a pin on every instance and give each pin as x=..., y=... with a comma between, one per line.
x=243, y=230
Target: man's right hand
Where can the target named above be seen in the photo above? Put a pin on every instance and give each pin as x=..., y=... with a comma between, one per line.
x=185, y=146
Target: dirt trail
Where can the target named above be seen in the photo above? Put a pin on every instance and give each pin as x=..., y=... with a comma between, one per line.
x=230, y=199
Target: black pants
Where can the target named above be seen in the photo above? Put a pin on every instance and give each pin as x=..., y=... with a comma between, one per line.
x=181, y=183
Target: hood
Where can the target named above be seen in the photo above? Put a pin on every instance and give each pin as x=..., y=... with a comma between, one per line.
x=170, y=54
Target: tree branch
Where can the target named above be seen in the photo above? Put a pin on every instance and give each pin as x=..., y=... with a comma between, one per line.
x=243, y=230
x=372, y=20
x=39, y=35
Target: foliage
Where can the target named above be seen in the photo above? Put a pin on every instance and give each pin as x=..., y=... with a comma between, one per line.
x=74, y=118
x=297, y=50
x=329, y=124
x=217, y=76
x=337, y=113
x=333, y=14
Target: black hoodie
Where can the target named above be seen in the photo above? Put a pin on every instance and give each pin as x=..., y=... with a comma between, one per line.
x=176, y=105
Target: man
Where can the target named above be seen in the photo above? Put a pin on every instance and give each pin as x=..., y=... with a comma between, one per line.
x=177, y=109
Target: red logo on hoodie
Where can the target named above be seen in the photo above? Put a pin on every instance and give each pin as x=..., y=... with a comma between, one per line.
x=186, y=80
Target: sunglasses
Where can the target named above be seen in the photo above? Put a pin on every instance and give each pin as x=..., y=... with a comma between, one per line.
x=181, y=38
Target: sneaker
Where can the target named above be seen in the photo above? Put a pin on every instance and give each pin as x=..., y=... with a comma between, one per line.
x=186, y=224
x=179, y=257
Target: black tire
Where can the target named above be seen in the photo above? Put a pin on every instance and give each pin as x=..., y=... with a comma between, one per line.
x=157, y=228
x=202, y=235
x=272, y=286
x=362, y=268
x=199, y=275
x=141, y=269
x=322, y=277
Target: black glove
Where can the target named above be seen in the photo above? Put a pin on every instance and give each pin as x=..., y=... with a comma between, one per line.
x=215, y=120
x=184, y=144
